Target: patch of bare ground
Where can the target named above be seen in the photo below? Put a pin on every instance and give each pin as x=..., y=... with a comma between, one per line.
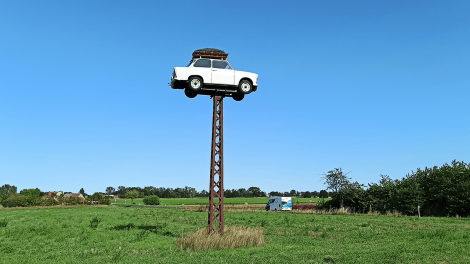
x=232, y=237
x=228, y=208
x=315, y=234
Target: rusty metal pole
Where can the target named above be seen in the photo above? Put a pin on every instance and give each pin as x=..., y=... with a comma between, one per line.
x=216, y=188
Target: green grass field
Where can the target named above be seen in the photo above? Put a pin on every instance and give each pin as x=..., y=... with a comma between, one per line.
x=148, y=235
x=195, y=201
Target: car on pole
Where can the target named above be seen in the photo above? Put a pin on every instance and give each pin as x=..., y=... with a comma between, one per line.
x=209, y=73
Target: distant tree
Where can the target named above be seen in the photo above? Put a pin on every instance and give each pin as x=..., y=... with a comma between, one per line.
x=132, y=194
x=256, y=192
x=315, y=194
x=110, y=190
x=274, y=193
x=82, y=191
x=169, y=193
x=228, y=193
x=307, y=194
x=242, y=192
x=150, y=190
x=235, y=193
x=323, y=194
x=7, y=189
x=204, y=193
x=193, y=192
x=293, y=193
x=31, y=193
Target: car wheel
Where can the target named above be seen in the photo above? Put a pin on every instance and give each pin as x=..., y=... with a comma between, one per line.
x=245, y=87
x=238, y=96
x=190, y=93
x=195, y=83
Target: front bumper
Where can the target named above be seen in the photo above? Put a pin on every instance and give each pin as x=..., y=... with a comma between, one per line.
x=177, y=84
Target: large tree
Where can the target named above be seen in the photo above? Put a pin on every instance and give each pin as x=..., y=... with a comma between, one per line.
x=82, y=191
x=132, y=194
x=336, y=180
x=7, y=189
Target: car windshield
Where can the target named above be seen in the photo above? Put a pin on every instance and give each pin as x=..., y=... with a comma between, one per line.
x=272, y=200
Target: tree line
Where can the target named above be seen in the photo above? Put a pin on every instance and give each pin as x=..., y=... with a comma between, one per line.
x=189, y=192
x=438, y=191
x=186, y=192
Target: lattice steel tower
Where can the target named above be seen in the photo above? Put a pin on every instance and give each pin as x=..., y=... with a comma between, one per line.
x=216, y=188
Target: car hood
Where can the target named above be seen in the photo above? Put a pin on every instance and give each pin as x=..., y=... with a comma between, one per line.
x=245, y=73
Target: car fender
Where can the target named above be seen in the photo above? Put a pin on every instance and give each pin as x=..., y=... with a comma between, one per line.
x=239, y=75
x=182, y=73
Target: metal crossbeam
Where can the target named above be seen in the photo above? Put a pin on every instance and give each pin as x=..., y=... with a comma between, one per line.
x=216, y=188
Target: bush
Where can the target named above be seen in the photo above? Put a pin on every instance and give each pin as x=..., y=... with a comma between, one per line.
x=95, y=221
x=439, y=191
x=17, y=200
x=152, y=200
x=32, y=193
x=98, y=197
x=73, y=201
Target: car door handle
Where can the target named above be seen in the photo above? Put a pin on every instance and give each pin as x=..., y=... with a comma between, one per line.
x=214, y=70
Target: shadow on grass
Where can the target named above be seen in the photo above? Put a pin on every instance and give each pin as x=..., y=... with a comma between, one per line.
x=158, y=229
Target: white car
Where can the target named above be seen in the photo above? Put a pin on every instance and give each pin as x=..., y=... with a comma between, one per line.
x=211, y=76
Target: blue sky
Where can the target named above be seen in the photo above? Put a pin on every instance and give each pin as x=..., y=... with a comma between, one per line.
x=373, y=87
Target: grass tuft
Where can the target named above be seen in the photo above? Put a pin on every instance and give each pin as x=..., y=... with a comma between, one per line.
x=232, y=237
x=3, y=223
x=395, y=214
x=95, y=221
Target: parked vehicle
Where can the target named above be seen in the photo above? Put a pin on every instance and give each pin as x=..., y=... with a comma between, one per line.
x=208, y=75
x=279, y=204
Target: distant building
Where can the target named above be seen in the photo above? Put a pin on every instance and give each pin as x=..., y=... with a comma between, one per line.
x=51, y=194
x=79, y=195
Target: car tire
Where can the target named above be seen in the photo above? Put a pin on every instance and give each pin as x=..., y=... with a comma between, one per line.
x=245, y=87
x=195, y=84
x=189, y=93
x=238, y=96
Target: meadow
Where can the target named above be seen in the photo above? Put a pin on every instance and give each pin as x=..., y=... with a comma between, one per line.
x=148, y=235
x=202, y=201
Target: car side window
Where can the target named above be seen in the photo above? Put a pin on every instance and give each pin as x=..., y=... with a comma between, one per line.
x=203, y=63
x=220, y=65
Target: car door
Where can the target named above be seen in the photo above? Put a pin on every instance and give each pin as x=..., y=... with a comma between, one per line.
x=202, y=67
x=222, y=73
